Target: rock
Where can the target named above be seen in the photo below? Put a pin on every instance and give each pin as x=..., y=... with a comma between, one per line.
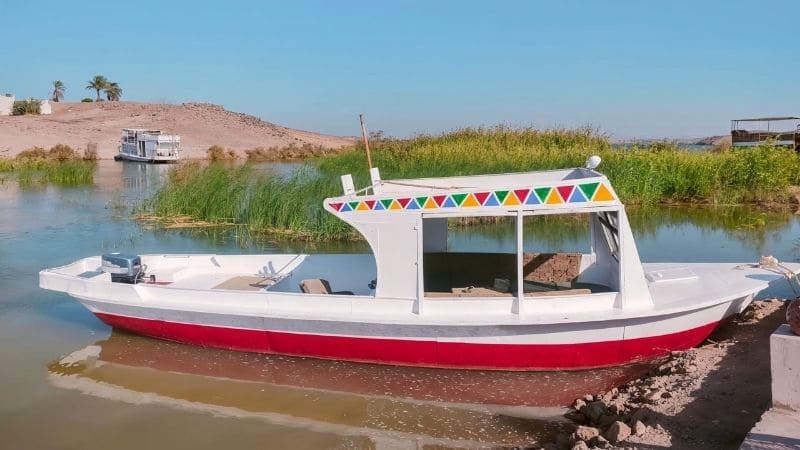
x=607, y=419
x=563, y=441
x=594, y=410
x=580, y=445
x=586, y=433
x=618, y=432
x=793, y=316
x=549, y=446
x=640, y=415
x=588, y=398
x=654, y=395
x=579, y=403
x=691, y=368
x=576, y=417
x=639, y=428
x=599, y=442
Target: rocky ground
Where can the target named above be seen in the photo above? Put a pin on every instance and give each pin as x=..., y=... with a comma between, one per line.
x=200, y=126
x=705, y=398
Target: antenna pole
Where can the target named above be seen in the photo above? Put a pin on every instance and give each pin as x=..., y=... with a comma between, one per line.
x=366, y=141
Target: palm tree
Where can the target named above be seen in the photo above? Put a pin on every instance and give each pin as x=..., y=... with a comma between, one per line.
x=98, y=83
x=113, y=92
x=58, y=90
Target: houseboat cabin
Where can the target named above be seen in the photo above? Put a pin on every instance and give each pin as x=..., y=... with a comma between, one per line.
x=148, y=146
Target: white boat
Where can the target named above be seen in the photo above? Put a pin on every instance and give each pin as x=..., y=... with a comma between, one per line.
x=412, y=302
x=148, y=146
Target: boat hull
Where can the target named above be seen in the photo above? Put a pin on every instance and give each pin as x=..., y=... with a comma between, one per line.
x=519, y=348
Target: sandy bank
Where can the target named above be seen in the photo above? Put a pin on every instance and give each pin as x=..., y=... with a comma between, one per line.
x=199, y=124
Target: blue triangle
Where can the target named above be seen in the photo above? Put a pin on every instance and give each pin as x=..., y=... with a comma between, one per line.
x=577, y=196
x=378, y=206
x=533, y=199
x=492, y=201
x=449, y=203
x=412, y=204
x=345, y=208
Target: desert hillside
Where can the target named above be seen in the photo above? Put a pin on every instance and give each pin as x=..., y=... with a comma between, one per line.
x=200, y=125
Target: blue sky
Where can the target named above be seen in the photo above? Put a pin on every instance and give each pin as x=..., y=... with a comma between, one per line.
x=634, y=69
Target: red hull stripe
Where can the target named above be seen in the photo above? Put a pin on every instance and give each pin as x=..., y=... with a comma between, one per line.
x=419, y=353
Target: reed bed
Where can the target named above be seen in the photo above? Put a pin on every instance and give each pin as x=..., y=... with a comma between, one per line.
x=64, y=173
x=645, y=175
x=59, y=165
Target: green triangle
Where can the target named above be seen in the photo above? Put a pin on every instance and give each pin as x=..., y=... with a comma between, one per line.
x=387, y=202
x=501, y=195
x=542, y=193
x=421, y=201
x=353, y=205
x=589, y=189
x=459, y=198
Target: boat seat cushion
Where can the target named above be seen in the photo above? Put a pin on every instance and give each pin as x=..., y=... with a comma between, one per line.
x=319, y=286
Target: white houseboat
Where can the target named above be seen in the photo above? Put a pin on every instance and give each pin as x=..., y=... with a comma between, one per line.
x=148, y=146
x=414, y=302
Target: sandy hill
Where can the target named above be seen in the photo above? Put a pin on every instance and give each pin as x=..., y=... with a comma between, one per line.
x=200, y=125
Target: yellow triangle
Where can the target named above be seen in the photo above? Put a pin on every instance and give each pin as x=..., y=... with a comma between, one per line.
x=511, y=200
x=362, y=207
x=430, y=204
x=553, y=198
x=470, y=202
x=603, y=194
x=395, y=205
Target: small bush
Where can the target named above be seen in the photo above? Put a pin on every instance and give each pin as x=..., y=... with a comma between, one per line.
x=87, y=100
x=61, y=152
x=33, y=153
x=218, y=153
x=23, y=107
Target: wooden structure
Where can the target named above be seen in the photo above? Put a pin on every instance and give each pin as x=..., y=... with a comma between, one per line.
x=782, y=131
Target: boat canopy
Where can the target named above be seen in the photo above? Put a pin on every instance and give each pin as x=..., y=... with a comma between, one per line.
x=403, y=219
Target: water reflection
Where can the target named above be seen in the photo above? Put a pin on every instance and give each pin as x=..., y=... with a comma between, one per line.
x=448, y=408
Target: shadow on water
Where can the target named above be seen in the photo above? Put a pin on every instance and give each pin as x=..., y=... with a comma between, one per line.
x=449, y=408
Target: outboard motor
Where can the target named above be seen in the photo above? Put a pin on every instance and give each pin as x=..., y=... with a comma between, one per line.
x=123, y=268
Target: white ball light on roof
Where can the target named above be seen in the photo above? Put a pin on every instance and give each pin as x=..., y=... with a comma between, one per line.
x=593, y=162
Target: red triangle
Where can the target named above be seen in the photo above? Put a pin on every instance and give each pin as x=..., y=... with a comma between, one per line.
x=335, y=206
x=521, y=194
x=565, y=192
x=370, y=203
x=404, y=202
x=481, y=196
x=439, y=199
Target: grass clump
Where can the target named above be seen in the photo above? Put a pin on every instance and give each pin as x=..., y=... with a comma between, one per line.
x=59, y=165
x=649, y=174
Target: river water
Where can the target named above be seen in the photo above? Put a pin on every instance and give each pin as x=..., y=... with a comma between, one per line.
x=67, y=381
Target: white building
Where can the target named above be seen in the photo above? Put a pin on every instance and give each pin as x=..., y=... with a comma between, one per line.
x=45, y=107
x=6, y=104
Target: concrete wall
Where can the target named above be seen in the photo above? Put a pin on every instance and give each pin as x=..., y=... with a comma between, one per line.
x=784, y=347
x=6, y=105
x=45, y=107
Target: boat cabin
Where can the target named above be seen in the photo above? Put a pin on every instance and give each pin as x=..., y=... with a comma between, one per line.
x=149, y=145
x=406, y=224
x=782, y=131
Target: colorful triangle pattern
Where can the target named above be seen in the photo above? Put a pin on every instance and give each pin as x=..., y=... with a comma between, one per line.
x=549, y=195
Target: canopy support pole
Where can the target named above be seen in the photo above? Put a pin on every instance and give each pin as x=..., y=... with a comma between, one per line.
x=517, y=306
